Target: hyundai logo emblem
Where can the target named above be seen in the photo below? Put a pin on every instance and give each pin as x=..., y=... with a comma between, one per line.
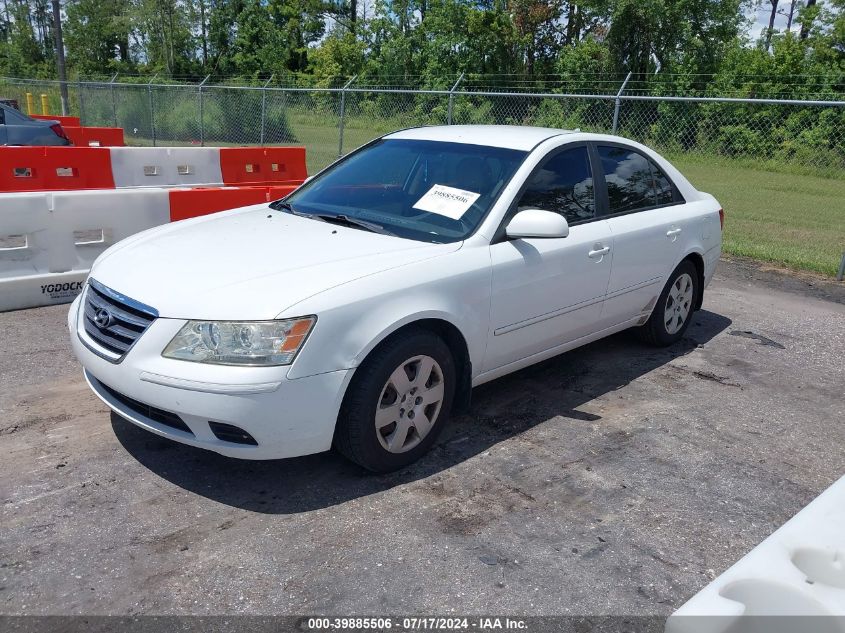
x=103, y=318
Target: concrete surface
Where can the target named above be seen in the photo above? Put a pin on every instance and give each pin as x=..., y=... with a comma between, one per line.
x=615, y=479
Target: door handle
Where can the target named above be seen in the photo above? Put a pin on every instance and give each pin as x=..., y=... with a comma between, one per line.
x=598, y=252
x=673, y=232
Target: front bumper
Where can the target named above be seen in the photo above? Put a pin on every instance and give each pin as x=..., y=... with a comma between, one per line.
x=286, y=417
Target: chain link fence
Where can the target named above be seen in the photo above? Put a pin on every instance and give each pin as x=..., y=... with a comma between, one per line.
x=806, y=134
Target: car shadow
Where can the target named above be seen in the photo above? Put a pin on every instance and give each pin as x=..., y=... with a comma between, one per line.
x=501, y=409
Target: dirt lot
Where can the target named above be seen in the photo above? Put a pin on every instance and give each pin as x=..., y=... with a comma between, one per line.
x=615, y=479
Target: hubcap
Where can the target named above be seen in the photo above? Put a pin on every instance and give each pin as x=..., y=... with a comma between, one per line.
x=678, y=304
x=409, y=404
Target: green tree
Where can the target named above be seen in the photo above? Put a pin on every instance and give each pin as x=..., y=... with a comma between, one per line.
x=586, y=67
x=162, y=36
x=673, y=35
x=301, y=23
x=537, y=24
x=96, y=36
x=339, y=55
x=28, y=49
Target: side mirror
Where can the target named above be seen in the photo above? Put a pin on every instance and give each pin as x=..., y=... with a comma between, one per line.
x=537, y=223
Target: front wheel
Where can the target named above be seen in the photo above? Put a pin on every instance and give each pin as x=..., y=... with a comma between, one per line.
x=398, y=402
x=673, y=312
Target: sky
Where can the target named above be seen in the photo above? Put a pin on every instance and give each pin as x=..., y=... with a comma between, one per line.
x=761, y=18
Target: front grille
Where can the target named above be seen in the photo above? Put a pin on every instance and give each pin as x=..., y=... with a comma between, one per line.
x=121, y=320
x=156, y=415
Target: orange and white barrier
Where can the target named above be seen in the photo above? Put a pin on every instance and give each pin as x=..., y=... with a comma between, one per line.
x=74, y=168
x=166, y=166
x=192, y=203
x=55, y=168
x=86, y=136
x=262, y=165
x=89, y=136
x=49, y=240
x=60, y=207
x=64, y=120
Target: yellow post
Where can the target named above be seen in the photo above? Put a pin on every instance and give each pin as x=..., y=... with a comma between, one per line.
x=30, y=103
x=44, y=105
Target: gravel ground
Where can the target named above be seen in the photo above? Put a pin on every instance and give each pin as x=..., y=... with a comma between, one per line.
x=615, y=479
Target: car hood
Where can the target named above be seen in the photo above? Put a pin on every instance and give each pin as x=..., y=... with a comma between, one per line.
x=251, y=263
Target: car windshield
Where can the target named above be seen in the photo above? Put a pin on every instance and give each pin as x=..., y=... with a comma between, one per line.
x=423, y=190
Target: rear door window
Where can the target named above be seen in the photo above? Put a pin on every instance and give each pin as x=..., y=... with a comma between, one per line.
x=634, y=183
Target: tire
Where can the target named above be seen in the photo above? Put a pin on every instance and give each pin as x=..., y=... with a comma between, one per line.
x=678, y=301
x=376, y=427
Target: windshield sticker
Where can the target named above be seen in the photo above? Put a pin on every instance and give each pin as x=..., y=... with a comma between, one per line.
x=448, y=201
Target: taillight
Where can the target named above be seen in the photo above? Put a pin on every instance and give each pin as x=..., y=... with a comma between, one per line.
x=57, y=128
x=722, y=219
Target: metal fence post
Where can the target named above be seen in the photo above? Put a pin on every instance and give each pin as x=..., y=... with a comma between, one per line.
x=152, y=109
x=342, y=111
x=64, y=98
x=452, y=99
x=81, y=101
x=618, y=102
x=202, y=118
x=841, y=275
x=264, y=107
x=113, y=100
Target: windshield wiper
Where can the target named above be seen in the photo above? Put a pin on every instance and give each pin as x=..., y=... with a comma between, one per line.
x=279, y=205
x=345, y=220
x=340, y=218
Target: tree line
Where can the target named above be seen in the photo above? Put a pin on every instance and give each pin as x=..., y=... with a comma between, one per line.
x=688, y=44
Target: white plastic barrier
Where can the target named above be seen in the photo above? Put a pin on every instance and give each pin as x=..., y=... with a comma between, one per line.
x=166, y=166
x=26, y=244
x=798, y=571
x=48, y=241
x=94, y=220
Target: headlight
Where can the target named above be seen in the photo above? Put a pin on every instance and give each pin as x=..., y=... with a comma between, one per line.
x=261, y=343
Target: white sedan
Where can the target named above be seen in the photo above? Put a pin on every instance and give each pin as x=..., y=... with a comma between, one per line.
x=361, y=310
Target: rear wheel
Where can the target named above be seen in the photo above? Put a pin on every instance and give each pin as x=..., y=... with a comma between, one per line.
x=673, y=312
x=397, y=403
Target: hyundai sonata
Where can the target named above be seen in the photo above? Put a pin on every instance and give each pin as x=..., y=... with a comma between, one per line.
x=362, y=309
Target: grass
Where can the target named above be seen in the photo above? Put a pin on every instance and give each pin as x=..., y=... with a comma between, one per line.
x=793, y=219
x=318, y=135
x=321, y=140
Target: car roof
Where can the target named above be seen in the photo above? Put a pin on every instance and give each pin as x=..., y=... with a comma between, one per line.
x=518, y=137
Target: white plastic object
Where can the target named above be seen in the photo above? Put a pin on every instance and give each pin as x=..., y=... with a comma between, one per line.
x=60, y=234
x=166, y=166
x=110, y=214
x=798, y=571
